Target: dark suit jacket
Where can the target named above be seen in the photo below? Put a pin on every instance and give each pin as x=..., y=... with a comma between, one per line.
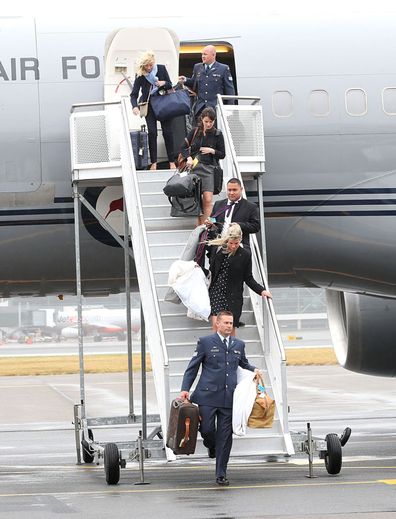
x=218, y=379
x=240, y=271
x=142, y=84
x=246, y=214
x=217, y=80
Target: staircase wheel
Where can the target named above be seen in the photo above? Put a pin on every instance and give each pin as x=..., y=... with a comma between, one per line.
x=333, y=456
x=112, y=463
x=88, y=456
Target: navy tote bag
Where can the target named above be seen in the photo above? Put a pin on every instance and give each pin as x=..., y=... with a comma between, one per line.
x=171, y=104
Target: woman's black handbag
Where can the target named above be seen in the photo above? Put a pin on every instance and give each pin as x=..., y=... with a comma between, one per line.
x=171, y=104
x=217, y=180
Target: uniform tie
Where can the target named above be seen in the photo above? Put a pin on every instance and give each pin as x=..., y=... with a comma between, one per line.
x=229, y=209
x=225, y=343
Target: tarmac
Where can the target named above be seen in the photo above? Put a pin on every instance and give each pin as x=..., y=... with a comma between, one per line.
x=39, y=476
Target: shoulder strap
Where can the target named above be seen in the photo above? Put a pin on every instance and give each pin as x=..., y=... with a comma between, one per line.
x=193, y=137
x=148, y=98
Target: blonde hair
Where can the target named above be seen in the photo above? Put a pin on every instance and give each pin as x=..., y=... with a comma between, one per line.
x=234, y=232
x=146, y=58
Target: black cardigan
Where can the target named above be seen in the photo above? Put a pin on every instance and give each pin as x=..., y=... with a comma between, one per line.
x=213, y=139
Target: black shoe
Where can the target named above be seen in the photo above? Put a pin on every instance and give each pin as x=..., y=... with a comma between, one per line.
x=241, y=324
x=212, y=452
x=222, y=481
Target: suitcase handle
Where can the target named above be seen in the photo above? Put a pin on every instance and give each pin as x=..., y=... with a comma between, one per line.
x=186, y=437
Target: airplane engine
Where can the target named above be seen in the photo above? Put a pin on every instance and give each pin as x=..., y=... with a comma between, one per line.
x=363, y=330
x=69, y=332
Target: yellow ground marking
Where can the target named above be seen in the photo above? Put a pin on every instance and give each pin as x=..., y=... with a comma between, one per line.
x=388, y=481
x=148, y=490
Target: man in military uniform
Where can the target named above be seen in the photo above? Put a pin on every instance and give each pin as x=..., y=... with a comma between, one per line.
x=209, y=78
x=220, y=355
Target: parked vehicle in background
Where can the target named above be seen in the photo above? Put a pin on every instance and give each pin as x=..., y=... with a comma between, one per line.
x=31, y=333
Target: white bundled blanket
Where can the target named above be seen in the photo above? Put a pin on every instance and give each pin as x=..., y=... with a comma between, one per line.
x=190, y=284
x=244, y=397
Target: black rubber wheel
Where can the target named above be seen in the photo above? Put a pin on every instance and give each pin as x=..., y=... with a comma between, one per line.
x=333, y=456
x=345, y=436
x=112, y=463
x=88, y=457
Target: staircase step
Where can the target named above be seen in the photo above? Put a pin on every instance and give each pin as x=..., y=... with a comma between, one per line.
x=173, y=319
x=166, y=249
x=167, y=237
x=188, y=346
x=156, y=224
x=179, y=334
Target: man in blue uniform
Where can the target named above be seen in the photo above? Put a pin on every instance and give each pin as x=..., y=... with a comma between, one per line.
x=209, y=78
x=220, y=355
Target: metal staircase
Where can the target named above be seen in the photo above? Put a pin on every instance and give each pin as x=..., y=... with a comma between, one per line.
x=157, y=241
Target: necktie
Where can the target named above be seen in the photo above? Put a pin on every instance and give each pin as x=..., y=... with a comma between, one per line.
x=229, y=208
x=225, y=344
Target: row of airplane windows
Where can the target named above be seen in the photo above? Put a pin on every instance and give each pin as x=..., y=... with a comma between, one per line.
x=319, y=102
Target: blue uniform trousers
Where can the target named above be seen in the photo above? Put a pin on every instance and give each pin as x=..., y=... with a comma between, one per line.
x=217, y=435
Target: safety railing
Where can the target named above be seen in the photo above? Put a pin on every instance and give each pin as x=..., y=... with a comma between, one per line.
x=154, y=328
x=264, y=312
x=110, y=132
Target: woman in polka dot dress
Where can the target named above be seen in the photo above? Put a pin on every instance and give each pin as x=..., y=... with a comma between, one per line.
x=230, y=268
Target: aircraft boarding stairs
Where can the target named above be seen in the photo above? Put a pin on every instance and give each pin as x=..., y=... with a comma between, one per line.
x=100, y=158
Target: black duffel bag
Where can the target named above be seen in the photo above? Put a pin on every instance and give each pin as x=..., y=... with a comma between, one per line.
x=184, y=194
x=180, y=184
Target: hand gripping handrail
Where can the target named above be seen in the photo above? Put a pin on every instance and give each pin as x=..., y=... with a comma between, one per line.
x=256, y=250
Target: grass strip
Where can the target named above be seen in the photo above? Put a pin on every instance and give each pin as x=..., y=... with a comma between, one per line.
x=310, y=357
x=61, y=365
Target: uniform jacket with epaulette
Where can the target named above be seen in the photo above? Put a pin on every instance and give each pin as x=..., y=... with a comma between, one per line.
x=207, y=84
x=218, y=379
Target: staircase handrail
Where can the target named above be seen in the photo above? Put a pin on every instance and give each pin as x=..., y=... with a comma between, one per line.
x=140, y=221
x=257, y=255
x=278, y=368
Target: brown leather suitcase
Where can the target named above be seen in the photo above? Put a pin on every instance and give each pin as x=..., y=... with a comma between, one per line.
x=182, y=427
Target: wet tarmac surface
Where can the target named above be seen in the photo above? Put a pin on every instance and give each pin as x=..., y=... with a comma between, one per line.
x=39, y=476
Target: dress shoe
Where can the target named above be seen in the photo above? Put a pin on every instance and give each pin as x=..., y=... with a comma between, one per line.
x=222, y=481
x=241, y=324
x=212, y=452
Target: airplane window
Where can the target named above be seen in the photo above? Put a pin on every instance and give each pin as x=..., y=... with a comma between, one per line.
x=389, y=100
x=319, y=102
x=356, y=101
x=282, y=103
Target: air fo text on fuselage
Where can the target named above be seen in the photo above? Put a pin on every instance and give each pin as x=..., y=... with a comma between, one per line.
x=69, y=67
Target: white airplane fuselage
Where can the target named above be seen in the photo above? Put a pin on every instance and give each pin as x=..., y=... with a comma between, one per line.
x=330, y=185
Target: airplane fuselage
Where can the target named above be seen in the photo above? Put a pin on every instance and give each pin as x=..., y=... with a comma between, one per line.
x=329, y=104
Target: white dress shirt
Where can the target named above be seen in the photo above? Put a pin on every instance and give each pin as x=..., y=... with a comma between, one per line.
x=228, y=218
